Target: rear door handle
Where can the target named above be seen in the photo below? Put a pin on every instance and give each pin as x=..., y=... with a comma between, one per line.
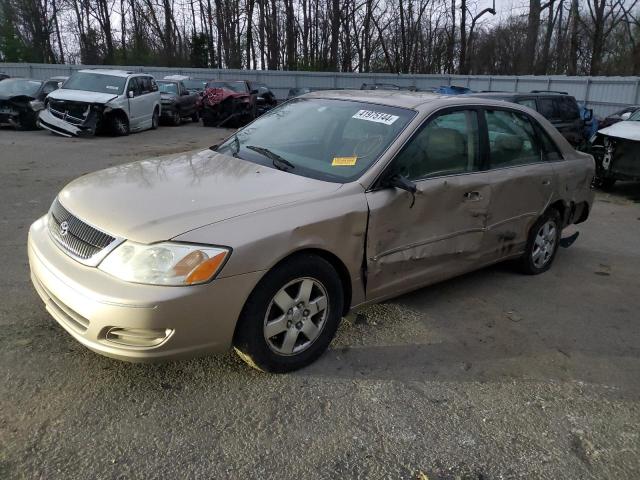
x=546, y=182
x=473, y=196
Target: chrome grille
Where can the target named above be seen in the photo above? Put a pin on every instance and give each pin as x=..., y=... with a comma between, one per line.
x=75, y=236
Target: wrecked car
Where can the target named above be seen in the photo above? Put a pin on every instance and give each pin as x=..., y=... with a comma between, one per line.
x=329, y=201
x=618, y=116
x=266, y=98
x=617, y=152
x=21, y=99
x=177, y=102
x=114, y=101
x=228, y=103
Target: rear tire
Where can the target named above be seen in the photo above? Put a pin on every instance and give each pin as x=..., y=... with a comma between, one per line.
x=155, y=119
x=605, y=183
x=542, y=244
x=291, y=316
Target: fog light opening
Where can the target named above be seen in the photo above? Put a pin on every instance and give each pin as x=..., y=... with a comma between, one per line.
x=137, y=337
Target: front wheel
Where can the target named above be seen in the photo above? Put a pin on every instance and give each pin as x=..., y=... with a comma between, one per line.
x=291, y=316
x=195, y=117
x=176, y=119
x=542, y=244
x=119, y=125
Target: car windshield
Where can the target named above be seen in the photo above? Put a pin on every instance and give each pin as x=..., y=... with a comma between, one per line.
x=19, y=86
x=635, y=116
x=168, y=87
x=194, y=84
x=239, y=87
x=332, y=140
x=95, y=82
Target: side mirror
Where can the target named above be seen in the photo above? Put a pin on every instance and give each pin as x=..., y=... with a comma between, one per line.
x=130, y=94
x=184, y=92
x=254, y=92
x=403, y=183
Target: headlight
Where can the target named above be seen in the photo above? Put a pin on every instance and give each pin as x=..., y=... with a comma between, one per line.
x=36, y=105
x=164, y=263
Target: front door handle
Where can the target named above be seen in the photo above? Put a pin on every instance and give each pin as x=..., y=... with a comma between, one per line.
x=473, y=196
x=546, y=182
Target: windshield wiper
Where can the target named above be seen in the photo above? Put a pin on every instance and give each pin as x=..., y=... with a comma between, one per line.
x=278, y=162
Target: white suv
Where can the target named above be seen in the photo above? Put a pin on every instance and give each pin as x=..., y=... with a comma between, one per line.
x=113, y=100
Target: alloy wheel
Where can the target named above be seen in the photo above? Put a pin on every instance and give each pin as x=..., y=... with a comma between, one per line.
x=296, y=316
x=544, y=244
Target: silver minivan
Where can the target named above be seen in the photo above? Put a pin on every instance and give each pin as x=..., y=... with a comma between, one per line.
x=111, y=100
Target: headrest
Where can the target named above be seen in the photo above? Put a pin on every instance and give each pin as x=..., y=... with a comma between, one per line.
x=445, y=142
x=509, y=142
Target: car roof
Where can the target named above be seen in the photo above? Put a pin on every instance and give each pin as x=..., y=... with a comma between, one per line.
x=393, y=98
x=107, y=71
x=517, y=94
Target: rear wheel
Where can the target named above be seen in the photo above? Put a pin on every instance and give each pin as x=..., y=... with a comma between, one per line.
x=542, y=244
x=291, y=316
x=155, y=120
x=604, y=183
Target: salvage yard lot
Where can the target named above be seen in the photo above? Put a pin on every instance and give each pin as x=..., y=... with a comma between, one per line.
x=490, y=375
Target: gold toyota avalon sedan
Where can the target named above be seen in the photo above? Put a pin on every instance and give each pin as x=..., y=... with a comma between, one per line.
x=330, y=201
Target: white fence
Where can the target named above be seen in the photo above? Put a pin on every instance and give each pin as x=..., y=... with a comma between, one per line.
x=603, y=94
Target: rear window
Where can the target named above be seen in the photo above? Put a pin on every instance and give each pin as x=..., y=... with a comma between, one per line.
x=559, y=109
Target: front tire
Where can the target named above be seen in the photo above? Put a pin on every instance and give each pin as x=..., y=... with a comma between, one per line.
x=195, y=117
x=291, y=316
x=176, y=120
x=542, y=244
x=119, y=125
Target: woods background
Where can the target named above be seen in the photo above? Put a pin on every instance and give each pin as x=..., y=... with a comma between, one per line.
x=586, y=37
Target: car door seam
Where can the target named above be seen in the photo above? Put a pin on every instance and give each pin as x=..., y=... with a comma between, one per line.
x=427, y=242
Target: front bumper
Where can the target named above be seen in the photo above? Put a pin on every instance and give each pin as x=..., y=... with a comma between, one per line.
x=90, y=305
x=167, y=110
x=50, y=122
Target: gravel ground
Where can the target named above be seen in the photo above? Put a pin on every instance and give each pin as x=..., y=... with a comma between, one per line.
x=488, y=376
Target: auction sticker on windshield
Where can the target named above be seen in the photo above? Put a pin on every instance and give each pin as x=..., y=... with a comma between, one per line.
x=378, y=117
x=344, y=161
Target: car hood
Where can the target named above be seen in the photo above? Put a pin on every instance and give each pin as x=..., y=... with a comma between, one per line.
x=168, y=96
x=629, y=130
x=158, y=199
x=81, y=96
x=15, y=97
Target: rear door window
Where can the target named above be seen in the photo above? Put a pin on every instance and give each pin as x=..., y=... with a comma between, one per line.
x=567, y=109
x=546, y=108
x=512, y=139
x=527, y=102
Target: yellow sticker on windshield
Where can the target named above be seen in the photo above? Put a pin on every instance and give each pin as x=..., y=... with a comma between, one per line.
x=344, y=161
